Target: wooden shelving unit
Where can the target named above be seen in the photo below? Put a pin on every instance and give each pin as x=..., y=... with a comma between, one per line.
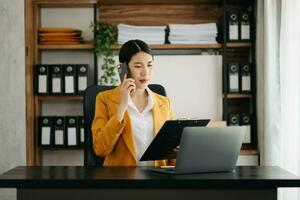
x=144, y=12
x=33, y=56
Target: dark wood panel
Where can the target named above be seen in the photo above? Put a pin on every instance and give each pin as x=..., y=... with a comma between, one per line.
x=159, y=14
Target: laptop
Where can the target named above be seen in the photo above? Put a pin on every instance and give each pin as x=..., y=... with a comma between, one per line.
x=207, y=149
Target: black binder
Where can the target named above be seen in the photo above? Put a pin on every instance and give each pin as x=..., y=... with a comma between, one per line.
x=233, y=27
x=245, y=26
x=56, y=79
x=42, y=79
x=59, y=131
x=80, y=129
x=71, y=131
x=45, y=130
x=82, y=78
x=245, y=77
x=233, y=119
x=245, y=120
x=69, y=79
x=233, y=77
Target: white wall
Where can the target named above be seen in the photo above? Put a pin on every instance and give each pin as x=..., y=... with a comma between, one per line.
x=12, y=89
x=193, y=83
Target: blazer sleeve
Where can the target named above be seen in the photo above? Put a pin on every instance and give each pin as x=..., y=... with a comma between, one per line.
x=106, y=130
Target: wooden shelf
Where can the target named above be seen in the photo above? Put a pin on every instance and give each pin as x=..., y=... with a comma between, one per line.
x=149, y=2
x=67, y=98
x=65, y=3
x=61, y=147
x=238, y=45
x=249, y=152
x=192, y=46
x=237, y=96
x=88, y=45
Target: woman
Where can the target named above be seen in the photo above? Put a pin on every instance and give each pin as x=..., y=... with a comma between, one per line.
x=128, y=117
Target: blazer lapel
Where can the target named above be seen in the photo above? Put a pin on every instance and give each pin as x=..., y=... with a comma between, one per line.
x=127, y=135
x=157, y=115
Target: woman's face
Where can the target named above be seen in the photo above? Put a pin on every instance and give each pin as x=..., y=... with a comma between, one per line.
x=141, y=66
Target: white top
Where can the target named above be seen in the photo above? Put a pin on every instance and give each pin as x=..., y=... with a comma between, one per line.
x=142, y=127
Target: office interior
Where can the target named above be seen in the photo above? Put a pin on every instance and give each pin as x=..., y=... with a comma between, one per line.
x=194, y=76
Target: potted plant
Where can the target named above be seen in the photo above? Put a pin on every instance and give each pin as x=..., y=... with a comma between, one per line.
x=105, y=36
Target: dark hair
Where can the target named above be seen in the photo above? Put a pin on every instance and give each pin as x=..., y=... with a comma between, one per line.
x=131, y=47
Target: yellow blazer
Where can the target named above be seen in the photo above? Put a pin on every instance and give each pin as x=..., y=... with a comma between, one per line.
x=113, y=139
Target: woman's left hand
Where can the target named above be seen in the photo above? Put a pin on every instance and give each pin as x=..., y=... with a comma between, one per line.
x=176, y=149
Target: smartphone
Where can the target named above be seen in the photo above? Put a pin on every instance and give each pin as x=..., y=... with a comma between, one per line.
x=123, y=69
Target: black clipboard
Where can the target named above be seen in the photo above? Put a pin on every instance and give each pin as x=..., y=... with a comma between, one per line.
x=168, y=137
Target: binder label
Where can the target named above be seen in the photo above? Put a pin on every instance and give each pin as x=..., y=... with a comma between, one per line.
x=246, y=86
x=45, y=136
x=233, y=32
x=69, y=84
x=72, y=136
x=59, y=137
x=245, y=32
x=82, y=135
x=247, y=137
x=56, y=85
x=234, y=82
x=42, y=82
x=82, y=83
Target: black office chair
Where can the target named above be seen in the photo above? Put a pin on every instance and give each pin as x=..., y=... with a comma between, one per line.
x=90, y=159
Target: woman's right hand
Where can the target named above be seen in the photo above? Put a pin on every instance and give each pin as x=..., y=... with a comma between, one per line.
x=127, y=86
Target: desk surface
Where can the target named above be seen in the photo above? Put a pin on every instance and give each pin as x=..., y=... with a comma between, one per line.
x=143, y=177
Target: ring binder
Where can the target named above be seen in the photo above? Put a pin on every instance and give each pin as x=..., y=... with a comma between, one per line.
x=71, y=131
x=56, y=79
x=81, y=78
x=81, y=130
x=42, y=79
x=45, y=131
x=245, y=79
x=69, y=79
x=233, y=27
x=59, y=131
x=245, y=26
x=233, y=77
x=245, y=120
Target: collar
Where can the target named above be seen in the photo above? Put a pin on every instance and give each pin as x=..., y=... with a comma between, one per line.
x=116, y=96
x=149, y=106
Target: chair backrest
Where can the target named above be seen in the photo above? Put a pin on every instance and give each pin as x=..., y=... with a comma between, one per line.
x=90, y=159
